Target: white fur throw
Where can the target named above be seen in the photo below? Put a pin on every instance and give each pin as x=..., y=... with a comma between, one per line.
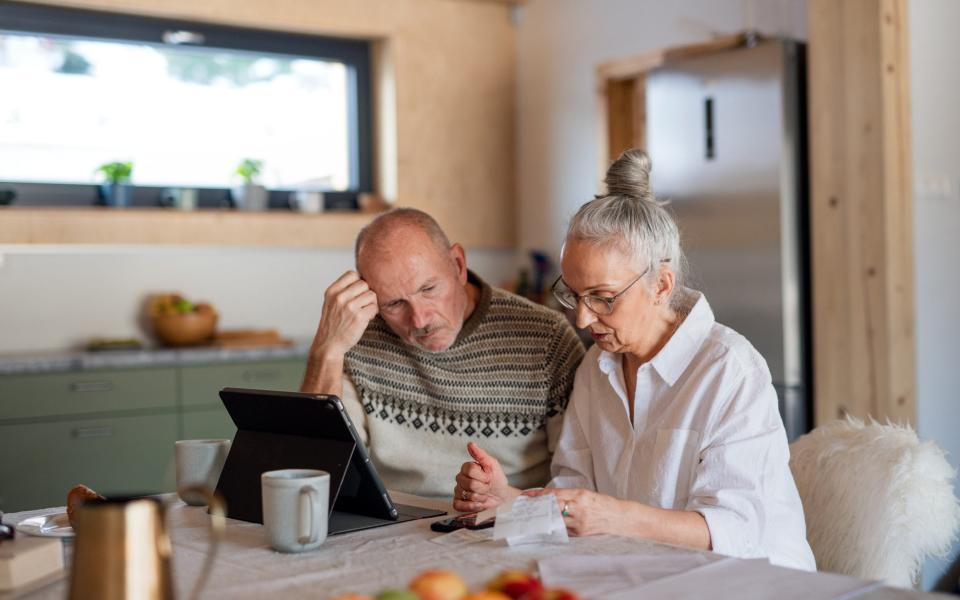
x=877, y=501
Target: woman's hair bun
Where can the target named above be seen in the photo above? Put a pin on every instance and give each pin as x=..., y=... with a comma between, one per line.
x=629, y=175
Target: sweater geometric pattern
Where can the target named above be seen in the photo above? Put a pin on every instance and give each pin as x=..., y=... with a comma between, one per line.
x=511, y=368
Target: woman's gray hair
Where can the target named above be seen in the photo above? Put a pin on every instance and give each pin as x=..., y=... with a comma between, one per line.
x=630, y=219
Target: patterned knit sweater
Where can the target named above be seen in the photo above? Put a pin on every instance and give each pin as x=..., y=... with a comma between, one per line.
x=503, y=383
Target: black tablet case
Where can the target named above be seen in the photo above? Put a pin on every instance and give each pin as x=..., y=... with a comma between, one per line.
x=286, y=430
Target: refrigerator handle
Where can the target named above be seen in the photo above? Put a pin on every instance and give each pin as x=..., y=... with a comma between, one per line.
x=710, y=150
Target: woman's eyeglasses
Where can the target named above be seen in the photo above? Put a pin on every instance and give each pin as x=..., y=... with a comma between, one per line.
x=598, y=305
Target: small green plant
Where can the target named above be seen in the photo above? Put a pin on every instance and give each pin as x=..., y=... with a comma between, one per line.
x=116, y=172
x=249, y=169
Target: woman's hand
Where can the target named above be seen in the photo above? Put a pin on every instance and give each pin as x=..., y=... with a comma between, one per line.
x=481, y=484
x=587, y=512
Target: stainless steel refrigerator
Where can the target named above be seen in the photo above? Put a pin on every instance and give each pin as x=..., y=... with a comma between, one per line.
x=727, y=135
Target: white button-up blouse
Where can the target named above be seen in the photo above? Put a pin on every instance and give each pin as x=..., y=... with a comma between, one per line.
x=706, y=437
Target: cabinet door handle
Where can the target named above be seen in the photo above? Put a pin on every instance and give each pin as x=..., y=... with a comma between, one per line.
x=261, y=374
x=92, y=432
x=91, y=386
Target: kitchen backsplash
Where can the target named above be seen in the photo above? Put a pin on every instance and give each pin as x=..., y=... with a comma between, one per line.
x=58, y=297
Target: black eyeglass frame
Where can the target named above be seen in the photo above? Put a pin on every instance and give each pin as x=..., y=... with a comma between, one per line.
x=607, y=301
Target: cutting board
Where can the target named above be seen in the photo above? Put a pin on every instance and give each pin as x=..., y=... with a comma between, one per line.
x=249, y=338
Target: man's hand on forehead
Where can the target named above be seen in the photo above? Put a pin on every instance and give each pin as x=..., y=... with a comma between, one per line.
x=348, y=306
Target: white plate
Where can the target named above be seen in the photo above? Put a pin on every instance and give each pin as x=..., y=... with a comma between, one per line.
x=52, y=525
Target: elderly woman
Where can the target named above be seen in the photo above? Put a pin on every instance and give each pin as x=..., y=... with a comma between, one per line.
x=672, y=431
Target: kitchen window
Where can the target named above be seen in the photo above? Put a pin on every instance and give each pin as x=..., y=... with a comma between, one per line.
x=186, y=103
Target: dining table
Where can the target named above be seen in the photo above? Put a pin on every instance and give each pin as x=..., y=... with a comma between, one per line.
x=373, y=560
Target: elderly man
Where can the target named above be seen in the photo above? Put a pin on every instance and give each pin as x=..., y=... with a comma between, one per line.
x=426, y=356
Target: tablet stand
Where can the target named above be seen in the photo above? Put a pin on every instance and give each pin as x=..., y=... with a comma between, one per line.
x=255, y=452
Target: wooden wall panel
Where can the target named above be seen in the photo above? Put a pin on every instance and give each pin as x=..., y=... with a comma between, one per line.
x=453, y=79
x=99, y=225
x=626, y=115
x=620, y=119
x=861, y=210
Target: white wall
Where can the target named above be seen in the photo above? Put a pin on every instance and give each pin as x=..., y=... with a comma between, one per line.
x=54, y=297
x=935, y=94
x=561, y=43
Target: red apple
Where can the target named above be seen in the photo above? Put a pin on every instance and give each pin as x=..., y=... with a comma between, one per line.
x=516, y=584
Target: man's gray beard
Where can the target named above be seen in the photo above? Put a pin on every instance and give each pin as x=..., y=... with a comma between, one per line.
x=427, y=330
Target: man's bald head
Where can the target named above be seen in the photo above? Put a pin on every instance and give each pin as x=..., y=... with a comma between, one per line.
x=379, y=232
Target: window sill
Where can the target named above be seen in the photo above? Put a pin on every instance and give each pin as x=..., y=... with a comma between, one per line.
x=167, y=226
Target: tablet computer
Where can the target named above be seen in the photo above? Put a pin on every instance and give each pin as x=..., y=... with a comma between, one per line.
x=292, y=430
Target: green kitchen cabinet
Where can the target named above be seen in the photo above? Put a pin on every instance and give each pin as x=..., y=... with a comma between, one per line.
x=38, y=395
x=200, y=385
x=207, y=423
x=203, y=416
x=112, y=455
x=114, y=429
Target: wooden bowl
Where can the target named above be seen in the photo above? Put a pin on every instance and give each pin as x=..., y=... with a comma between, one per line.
x=187, y=329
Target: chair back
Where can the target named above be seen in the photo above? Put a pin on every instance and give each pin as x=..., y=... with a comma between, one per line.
x=877, y=500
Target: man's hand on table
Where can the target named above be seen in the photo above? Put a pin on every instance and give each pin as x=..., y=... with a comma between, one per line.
x=481, y=483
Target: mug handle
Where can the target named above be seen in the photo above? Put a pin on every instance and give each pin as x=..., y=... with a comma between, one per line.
x=309, y=497
x=218, y=525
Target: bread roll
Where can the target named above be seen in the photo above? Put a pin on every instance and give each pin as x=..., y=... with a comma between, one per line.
x=76, y=497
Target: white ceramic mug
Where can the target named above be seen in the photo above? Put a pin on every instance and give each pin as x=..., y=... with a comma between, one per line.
x=199, y=463
x=296, y=504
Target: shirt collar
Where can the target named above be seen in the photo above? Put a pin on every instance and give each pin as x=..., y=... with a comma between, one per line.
x=674, y=358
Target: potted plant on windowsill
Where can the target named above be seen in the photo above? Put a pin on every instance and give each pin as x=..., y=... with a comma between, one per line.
x=251, y=195
x=116, y=189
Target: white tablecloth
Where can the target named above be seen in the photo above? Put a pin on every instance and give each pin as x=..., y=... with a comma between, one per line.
x=369, y=561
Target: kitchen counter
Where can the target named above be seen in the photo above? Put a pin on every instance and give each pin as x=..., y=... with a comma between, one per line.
x=53, y=362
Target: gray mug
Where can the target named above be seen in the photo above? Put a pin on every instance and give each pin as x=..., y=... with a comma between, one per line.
x=199, y=463
x=296, y=503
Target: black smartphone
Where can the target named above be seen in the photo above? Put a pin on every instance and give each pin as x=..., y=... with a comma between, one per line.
x=467, y=521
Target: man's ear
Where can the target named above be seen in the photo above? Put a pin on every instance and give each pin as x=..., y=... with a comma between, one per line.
x=459, y=257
